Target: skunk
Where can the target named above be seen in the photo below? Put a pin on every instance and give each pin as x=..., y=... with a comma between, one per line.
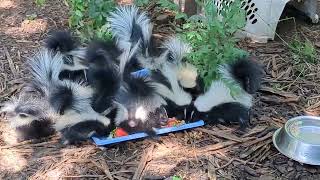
x=58, y=107
x=74, y=62
x=175, y=80
x=130, y=28
x=103, y=74
x=31, y=114
x=218, y=105
x=187, y=73
x=139, y=106
x=30, y=117
x=176, y=97
x=70, y=100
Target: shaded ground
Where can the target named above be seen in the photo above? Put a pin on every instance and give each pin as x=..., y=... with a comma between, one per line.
x=210, y=152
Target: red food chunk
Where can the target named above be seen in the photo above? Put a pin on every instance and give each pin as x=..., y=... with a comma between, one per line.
x=120, y=132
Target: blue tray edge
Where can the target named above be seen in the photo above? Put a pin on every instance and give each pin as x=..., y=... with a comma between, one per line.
x=107, y=141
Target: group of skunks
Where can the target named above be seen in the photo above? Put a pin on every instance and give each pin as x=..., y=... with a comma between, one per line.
x=82, y=92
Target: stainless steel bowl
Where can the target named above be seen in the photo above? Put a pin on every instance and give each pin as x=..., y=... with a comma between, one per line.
x=299, y=139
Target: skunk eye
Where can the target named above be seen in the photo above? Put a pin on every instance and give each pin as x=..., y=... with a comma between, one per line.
x=22, y=115
x=170, y=57
x=68, y=60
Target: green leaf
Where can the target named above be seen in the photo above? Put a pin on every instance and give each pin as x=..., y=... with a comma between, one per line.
x=181, y=15
x=40, y=2
x=211, y=38
x=78, y=13
x=176, y=178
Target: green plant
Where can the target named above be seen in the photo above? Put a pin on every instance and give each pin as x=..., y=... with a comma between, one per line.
x=32, y=16
x=89, y=18
x=176, y=178
x=141, y=2
x=40, y=2
x=303, y=51
x=212, y=38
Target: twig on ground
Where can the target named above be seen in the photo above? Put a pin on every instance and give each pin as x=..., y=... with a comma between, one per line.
x=84, y=176
x=217, y=146
x=147, y=155
x=10, y=61
x=221, y=134
x=104, y=168
x=269, y=135
x=227, y=164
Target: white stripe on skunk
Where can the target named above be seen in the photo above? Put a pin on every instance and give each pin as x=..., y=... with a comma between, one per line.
x=128, y=25
x=177, y=49
x=219, y=93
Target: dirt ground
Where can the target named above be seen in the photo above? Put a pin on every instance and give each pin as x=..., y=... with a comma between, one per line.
x=210, y=152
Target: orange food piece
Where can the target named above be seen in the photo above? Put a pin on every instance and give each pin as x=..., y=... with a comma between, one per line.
x=172, y=122
x=120, y=132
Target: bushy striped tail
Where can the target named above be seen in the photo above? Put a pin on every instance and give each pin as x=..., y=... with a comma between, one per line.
x=129, y=27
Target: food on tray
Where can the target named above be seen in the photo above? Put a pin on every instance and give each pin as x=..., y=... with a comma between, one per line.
x=119, y=132
x=174, y=122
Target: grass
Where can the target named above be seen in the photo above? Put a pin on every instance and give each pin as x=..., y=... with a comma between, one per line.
x=303, y=51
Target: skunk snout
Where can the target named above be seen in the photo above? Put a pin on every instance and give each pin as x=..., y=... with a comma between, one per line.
x=132, y=123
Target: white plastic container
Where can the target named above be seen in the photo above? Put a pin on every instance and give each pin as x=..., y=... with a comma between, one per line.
x=263, y=16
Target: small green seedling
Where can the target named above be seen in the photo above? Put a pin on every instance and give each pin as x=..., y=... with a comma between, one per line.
x=40, y=3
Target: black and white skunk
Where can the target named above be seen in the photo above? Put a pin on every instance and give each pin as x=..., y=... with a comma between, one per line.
x=74, y=62
x=139, y=106
x=31, y=114
x=72, y=101
x=130, y=27
x=187, y=74
x=103, y=74
x=65, y=105
x=175, y=80
x=30, y=117
x=218, y=105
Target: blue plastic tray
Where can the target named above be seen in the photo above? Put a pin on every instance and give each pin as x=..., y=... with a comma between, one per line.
x=107, y=141
x=141, y=73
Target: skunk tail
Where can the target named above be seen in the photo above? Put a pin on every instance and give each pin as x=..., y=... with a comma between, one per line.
x=245, y=72
x=101, y=52
x=45, y=68
x=129, y=27
x=61, y=41
x=103, y=75
x=65, y=43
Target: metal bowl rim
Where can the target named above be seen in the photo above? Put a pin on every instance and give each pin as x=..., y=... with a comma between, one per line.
x=275, y=135
x=290, y=121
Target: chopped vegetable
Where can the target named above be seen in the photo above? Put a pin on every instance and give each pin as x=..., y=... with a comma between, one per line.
x=120, y=132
